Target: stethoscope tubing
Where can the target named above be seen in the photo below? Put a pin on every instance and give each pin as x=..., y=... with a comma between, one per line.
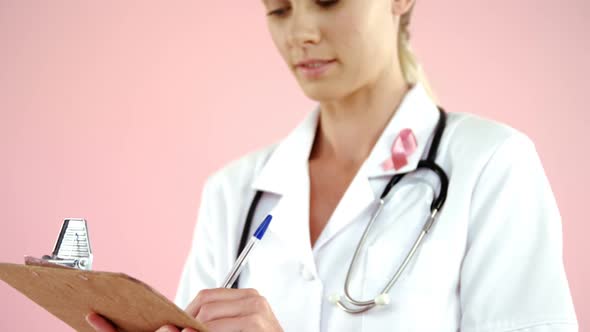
x=436, y=205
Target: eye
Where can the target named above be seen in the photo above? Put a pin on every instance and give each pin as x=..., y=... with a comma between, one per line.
x=322, y=3
x=279, y=12
x=327, y=3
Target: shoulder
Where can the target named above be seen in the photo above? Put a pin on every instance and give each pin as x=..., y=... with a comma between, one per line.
x=238, y=174
x=478, y=139
x=226, y=194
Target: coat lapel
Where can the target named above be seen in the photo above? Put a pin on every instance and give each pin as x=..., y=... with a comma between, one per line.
x=416, y=112
x=286, y=173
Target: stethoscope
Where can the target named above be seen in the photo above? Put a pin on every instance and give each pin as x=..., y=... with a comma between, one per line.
x=354, y=306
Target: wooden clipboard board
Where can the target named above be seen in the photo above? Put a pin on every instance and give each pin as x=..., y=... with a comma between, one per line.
x=70, y=294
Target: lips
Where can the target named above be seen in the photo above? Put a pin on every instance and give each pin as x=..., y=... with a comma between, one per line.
x=313, y=63
x=314, y=68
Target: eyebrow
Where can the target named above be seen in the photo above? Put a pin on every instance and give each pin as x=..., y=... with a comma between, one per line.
x=266, y=2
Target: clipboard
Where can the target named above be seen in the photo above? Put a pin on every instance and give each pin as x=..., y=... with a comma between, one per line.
x=70, y=294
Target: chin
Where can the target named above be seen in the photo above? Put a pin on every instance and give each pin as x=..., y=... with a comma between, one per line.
x=321, y=91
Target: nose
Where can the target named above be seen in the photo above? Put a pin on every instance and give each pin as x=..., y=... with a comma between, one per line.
x=303, y=28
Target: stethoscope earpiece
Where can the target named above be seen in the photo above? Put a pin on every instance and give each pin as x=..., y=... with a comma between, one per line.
x=383, y=299
x=334, y=298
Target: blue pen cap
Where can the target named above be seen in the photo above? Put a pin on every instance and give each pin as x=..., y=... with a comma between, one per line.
x=262, y=228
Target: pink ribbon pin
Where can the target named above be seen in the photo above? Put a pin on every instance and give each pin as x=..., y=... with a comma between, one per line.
x=403, y=146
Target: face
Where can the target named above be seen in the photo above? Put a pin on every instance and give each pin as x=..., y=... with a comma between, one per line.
x=334, y=47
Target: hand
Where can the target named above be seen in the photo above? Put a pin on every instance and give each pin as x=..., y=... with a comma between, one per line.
x=228, y=310
x=99, y=324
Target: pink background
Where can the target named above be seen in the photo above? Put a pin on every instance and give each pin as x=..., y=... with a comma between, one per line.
x=116, y=111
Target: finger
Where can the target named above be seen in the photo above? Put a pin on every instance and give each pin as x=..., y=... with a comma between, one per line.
x=233, y=308
x=167, y=328
x=217, y=294
x=241, y=323
x=98, y=323
x=188, y=329
x=227, y=324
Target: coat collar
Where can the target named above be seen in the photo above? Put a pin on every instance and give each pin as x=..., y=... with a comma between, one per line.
x=416, y=111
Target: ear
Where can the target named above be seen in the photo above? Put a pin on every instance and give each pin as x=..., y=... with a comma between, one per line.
x=400, y=7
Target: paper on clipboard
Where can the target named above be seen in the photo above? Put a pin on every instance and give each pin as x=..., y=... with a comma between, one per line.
x=70, y=294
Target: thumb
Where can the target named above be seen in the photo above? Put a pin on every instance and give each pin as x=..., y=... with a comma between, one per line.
x=98, y=323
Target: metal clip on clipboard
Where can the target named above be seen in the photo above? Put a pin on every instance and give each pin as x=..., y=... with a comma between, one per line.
x=72, y=248
x=64, y=285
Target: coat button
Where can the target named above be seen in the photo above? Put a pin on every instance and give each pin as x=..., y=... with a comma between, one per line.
x=307, y=274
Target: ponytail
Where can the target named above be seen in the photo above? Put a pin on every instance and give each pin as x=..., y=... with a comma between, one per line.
x=411, y=69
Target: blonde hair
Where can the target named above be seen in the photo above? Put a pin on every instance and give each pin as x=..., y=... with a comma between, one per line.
x=411, y=69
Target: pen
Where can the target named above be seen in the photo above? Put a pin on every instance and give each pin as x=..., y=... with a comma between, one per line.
x=241, y=261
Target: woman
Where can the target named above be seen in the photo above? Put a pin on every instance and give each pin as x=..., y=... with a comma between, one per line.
x=492, y=259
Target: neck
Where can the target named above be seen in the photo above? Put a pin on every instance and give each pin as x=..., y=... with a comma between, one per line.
x=349, y=127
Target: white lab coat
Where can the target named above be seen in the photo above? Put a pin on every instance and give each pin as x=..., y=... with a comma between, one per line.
x=492, y=262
